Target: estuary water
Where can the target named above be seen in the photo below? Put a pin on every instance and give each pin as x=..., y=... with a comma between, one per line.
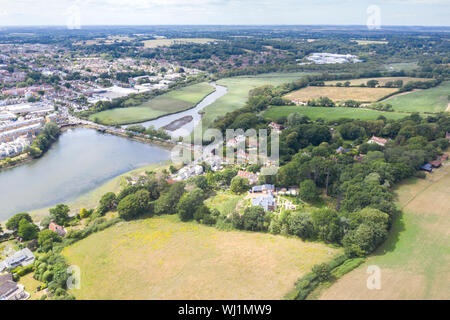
x=80, y=161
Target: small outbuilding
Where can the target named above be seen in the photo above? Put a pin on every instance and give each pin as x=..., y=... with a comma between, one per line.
x=427, y=167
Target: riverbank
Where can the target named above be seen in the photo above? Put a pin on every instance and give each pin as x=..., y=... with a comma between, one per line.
x=91, y=199
x=174, y=101
x=167, y=144
x=17, y=161
x=25, y=157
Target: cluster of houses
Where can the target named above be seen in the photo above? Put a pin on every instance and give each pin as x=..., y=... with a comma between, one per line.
x=188, y=172
x=18, y=133
x=9, y=289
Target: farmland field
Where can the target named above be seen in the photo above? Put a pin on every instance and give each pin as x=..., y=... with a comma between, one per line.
x=275, y=113
x=161, y=258
x=414, y=261
x=341, y=93
x=171, y=102
x=367, y=42
x=168, y=42
x=429, y=100
x=382, y=81
x=238, y=89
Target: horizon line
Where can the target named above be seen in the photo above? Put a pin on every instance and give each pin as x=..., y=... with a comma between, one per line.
x=227, y=25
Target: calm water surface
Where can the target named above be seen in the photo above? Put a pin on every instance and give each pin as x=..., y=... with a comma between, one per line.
x=80, y=161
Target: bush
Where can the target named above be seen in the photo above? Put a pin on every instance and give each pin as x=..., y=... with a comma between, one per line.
x=308, y=191
x=322, y=271
x=239, y=185
x=134, y=205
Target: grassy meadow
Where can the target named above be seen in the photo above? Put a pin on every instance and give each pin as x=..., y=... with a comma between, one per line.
x=430, y=100
x=414, y=260
x=162, y=258
x=275, y=113
x=238, y=90
x=171, y=102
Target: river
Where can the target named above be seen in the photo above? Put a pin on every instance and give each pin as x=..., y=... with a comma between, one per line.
x=194, y=112
x=81, y=160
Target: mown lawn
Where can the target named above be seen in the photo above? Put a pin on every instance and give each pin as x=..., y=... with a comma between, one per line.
x=171, y=102
x=31, y=286
x=275, y=113
x=429, y=100
x=162, y=258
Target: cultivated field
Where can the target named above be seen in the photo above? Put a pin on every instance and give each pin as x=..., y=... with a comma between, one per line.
x=429, y=100
x=238, y=89
x=168, y=42
x=171, y=102
x=161, y=258
x=341, y=93
x=275, y=113
x=415, y=260
x=382, y=81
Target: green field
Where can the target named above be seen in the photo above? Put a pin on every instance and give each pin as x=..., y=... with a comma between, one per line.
x=275, y=113
x=171, y=102
x=238, y=89
x=430, y=100
x=162, y=258
x=414, y=260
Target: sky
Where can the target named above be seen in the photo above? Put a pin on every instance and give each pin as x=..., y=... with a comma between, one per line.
x=224, y=12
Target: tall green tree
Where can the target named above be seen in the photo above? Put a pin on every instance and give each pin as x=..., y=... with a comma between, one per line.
x=14, y=221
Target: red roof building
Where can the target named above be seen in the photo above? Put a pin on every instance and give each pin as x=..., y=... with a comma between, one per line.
x=379, y=141
x=252, y=178
x=57, y=228
x=436, y=163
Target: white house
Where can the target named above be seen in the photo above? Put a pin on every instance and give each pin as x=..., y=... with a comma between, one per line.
x=22, y=258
